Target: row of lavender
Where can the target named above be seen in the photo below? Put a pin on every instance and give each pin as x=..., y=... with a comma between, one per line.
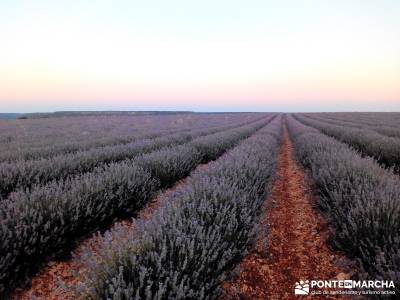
x=29, y=139
x=386, y=150
x=360, y=199
x=200, y=234
x=43, y=138
x=47, y=151
x=336, y=119
x=25, y=174
x=374, y=119
x=39, y=224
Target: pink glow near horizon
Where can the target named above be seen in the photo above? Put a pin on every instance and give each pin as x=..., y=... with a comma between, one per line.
x=343, y=56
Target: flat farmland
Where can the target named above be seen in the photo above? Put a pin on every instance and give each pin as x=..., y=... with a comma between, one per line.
x=197, y=206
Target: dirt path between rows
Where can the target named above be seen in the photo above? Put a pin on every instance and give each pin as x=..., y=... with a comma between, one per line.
x=293, y=248
x=292, y=244
x=49, y=283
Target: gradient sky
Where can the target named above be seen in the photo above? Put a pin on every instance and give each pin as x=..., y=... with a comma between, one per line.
x=209, y=55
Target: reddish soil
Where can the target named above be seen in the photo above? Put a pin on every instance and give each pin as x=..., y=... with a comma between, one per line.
x=292, y=245
x=46, y=285
x=294, y=248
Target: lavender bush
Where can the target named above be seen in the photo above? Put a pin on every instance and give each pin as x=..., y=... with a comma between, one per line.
x=44, y=138
x=385, y=150
x=354, y=122
x=48, y=151
x=360, y=199
x=38, y=224
x=190, y=246
x=386, y=119
x=25, y=174
x=31, y=139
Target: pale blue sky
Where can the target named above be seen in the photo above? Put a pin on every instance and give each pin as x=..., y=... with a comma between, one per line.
x=204, y=55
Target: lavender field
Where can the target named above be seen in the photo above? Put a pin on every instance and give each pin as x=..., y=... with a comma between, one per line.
x=181, y=206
